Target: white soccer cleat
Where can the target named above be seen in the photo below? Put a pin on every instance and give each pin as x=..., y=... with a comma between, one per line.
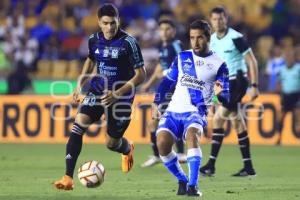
x=153, y=160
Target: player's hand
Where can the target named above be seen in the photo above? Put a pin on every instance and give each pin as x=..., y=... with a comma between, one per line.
x=254, y=92
x=156, y=114
x=76, y=98
x=218, y=87
x=108, y=98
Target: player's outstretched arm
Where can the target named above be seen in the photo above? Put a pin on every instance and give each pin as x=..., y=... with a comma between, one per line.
x=87, y=69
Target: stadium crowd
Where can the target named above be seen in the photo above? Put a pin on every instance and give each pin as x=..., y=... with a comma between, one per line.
x=48, y=39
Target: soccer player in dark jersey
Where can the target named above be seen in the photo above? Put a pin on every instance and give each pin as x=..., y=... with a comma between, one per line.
x=231, y=46
x=168, y=50
x=119, y=63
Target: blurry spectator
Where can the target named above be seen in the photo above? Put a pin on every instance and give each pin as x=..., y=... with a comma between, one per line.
x=42, y=31
x=274, y=64
x=148, y=9
x=26, y=55
x=18, y=80
x=51, y=49
x=83, y=48
x=289, y=87
x=15, y=25
x=4, y=60
x=129, y=11
x=71, y=45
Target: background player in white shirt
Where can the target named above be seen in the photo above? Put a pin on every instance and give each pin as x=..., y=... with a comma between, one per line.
x=232, y=47
x=199, y=74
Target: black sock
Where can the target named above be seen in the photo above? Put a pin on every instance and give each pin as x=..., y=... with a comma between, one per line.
x=123, y=147
x=73, y=148
x=245, y=149
x=153, y=144
x=180, y=146
x=217, y=139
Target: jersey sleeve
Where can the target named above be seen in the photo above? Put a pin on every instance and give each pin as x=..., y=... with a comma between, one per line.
x=223, y=77
x=134, y=53
x=90, y=46
x=242, y=45
x=178, y=47
x=172, y=72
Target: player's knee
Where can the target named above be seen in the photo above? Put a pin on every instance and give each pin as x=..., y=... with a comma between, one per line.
x=192, y=137
x=217, y=121
x=164, y=142
x=113, y=144
x=238, y=124
x=83, y=120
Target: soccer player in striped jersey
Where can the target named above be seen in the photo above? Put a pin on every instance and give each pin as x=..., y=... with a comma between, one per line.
x=119, y=63
x=231, y=46
x=198, y=74
x=168, y=50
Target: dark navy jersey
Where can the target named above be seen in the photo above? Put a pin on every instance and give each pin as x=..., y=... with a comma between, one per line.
x=115, y=59
x=168, y=53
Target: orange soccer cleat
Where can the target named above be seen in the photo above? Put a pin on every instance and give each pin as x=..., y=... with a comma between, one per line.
x=65, y=183
x=127, y=160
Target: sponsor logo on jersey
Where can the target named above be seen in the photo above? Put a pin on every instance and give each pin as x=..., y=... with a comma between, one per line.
x=107, y=70
x=191, y=82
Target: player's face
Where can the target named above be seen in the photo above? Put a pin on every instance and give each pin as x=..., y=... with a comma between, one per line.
x=199, y=41
x=166, y=32
x=109, y=26
x=218, y=22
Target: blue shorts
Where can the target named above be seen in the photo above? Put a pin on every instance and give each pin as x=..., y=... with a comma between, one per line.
x=178, y=123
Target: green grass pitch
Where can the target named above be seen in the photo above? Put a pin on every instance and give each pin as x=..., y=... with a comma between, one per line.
x=27, y=171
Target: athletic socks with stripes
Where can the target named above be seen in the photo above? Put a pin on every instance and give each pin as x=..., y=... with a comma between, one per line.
x=217, y=139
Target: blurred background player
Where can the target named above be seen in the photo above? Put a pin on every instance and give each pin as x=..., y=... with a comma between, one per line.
x=289, y=87
x=232, y=47
x=118, y=58
x=168, y=50
x=198, y=74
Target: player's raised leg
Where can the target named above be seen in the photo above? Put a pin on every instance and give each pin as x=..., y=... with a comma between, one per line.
x=118, y=120
x=73, y=149
x=165, y=141
x=194, y=157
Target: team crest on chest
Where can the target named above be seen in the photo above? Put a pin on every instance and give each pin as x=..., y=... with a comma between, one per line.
x=115, y=53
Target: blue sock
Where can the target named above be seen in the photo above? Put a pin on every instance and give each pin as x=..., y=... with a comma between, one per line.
x=171, y=162
x=194, y=157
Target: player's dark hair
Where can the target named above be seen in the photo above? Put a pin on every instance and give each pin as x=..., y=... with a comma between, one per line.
x=108, y=9
x=202, y=25
x=219, y=10
x=166, y=21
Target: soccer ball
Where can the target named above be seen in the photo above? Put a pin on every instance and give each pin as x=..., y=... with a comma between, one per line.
x=91, y=174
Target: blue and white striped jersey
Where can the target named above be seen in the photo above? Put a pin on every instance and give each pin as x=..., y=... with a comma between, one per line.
x=195, y=77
